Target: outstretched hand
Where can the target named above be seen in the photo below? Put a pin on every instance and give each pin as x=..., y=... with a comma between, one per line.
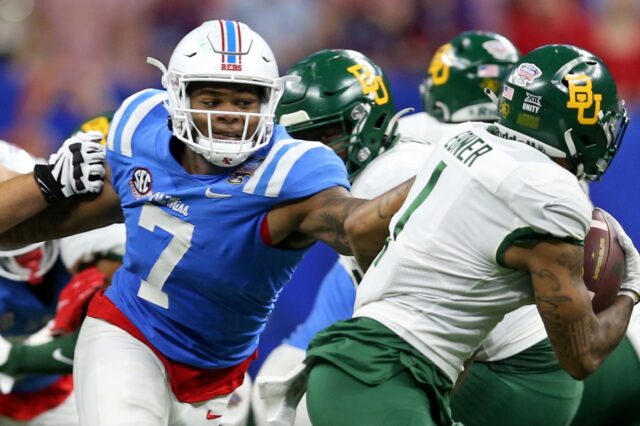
x=76, y=168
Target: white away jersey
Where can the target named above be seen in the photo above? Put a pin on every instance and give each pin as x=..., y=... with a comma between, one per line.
x=423, y=127
x=440, y=283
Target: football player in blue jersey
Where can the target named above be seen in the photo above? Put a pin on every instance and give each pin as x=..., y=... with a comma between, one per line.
x=219, y=209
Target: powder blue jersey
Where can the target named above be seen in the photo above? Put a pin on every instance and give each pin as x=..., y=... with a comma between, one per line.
x=25, y=309
x=334, y=302
x=197, y=280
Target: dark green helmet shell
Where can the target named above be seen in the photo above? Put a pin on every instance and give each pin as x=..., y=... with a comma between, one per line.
x=453, y=90
x=563, y=100
x=341, y=88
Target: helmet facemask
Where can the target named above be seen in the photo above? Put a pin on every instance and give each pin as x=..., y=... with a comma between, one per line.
x=592, y=158
x=345, y=132
x=223, y=152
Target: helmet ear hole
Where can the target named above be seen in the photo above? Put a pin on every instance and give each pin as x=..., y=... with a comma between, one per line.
x=380, y=121
x=586, y=141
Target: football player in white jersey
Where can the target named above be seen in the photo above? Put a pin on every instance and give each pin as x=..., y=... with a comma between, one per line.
x=516, y=361
x=343, y=99
x=494, y=220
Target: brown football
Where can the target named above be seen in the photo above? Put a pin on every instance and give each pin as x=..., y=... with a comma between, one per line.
x=603, y=261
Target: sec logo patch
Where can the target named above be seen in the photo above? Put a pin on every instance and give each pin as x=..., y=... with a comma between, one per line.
x=141, y=182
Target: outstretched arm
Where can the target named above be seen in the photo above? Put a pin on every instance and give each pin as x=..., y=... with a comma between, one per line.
x=21, y=199
x=66, y=217
x=367, y=227
x=320, y=217
x=59, y=198
x=327, y=215
x=581, y=339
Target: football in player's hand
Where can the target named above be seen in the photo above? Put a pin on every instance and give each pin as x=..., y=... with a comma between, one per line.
x=603, y=261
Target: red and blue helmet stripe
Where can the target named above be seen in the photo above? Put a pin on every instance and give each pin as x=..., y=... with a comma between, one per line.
x=231, y=42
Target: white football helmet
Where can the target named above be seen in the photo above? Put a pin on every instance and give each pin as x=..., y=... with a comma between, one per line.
x=32, y=262
x=224, y=52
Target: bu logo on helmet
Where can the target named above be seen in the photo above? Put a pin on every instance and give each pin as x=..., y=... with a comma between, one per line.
x=440, y=64
x=370, y=83
x=581, y=97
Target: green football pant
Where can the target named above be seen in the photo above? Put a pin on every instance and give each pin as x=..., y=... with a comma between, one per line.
x=612, y=394
x=398, y=401
x=498, y=398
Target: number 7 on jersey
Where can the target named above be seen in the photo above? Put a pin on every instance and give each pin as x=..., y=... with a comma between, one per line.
x=151, y=217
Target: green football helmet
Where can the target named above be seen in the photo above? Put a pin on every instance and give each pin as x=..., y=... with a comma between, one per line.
x=459, y=73
x=563, y=101
x=342, y=99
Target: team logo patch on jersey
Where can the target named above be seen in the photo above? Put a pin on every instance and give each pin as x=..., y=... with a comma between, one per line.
x=525, y=74
x=140, y=182
x=247, y=169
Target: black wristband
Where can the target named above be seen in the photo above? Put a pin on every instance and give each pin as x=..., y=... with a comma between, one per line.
x=48, y=185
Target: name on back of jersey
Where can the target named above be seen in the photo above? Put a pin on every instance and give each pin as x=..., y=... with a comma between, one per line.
x=467, y=147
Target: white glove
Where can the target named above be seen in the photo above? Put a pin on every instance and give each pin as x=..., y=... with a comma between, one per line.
x=76, y=168
x=281, y=395
x=631, y=279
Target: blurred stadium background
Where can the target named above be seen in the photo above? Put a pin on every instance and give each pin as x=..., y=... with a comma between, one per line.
x=62, y=61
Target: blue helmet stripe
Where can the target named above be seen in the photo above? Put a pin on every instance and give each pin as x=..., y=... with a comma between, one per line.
x=232, y=40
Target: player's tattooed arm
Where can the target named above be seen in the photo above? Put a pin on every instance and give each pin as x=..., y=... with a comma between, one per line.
x=320, y=217
x=581, y=339
x=368, y=226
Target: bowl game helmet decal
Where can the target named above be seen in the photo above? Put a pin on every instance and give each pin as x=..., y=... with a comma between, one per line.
x=563, y=100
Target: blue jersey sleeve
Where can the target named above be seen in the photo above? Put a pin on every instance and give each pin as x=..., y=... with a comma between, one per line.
x=297, y=169
x=317, y=169
x=134, y=114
